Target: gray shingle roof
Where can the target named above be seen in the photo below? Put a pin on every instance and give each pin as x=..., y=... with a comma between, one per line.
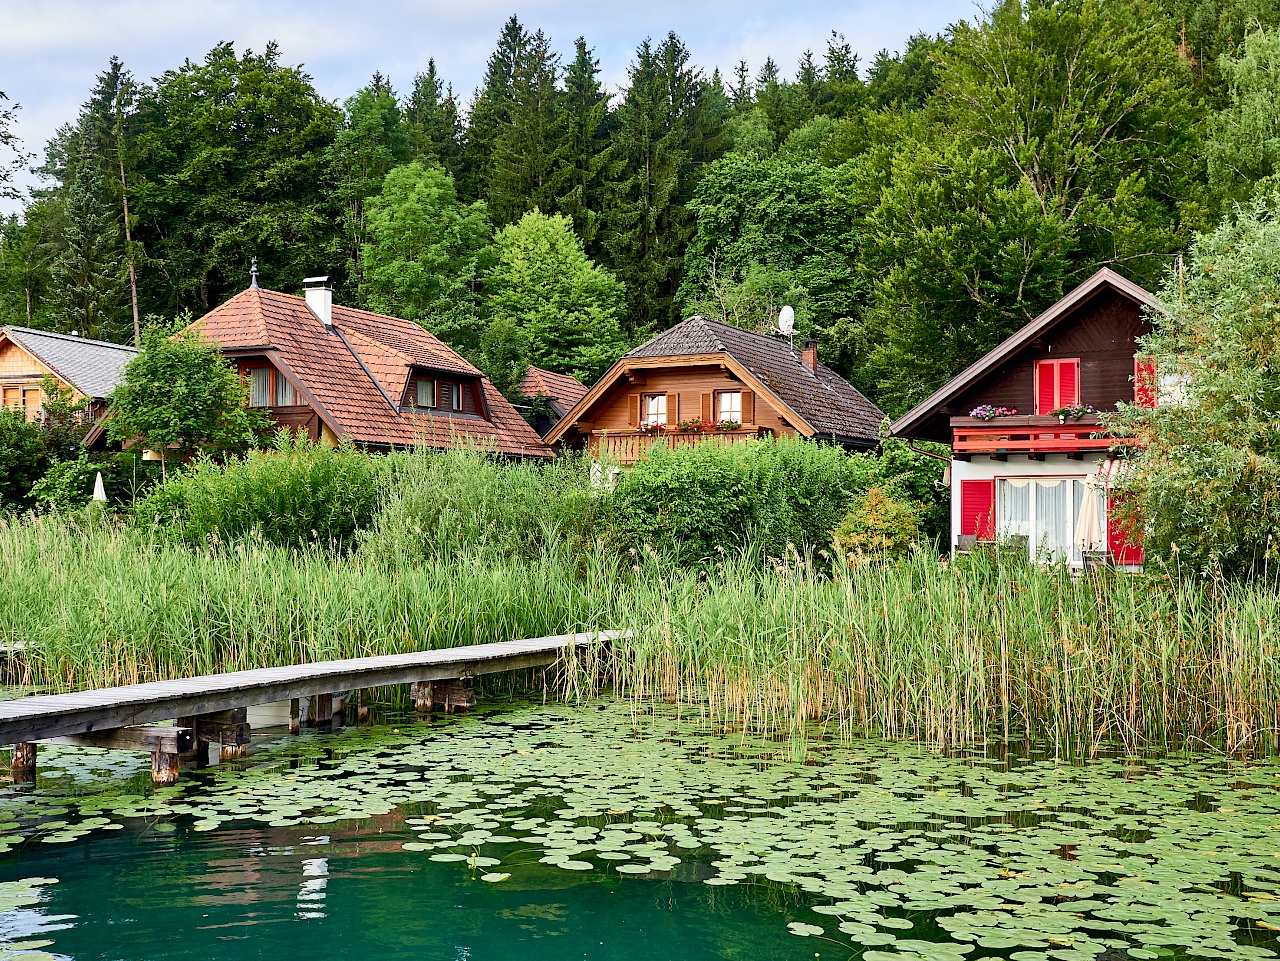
x=828, y=402
x=93, y=367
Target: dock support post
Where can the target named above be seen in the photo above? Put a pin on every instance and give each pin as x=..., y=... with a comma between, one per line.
x=324, y=712
x=423, y=694
x=456, y=695
x=295, y=716
x=164, y=768
x=362, y=708
x=24, y=761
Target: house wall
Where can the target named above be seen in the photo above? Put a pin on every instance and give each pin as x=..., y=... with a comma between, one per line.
x=1102, y=332
x=20, y=376
x=471, y=393
x=612, y=411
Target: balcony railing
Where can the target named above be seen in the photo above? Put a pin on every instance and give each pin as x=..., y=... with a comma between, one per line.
x=627, y=447
x=1030, y=435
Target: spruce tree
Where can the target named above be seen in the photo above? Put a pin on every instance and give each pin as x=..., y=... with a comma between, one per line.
x=522, y=162
x=664, y=133
x=88, y=279
x=492, y=109
x=431, y=116
x=584, y=146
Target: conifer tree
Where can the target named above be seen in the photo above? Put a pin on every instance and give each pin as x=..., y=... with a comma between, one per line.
x=492, y=109
x=87, y=275
x=663, y=135
x=584, y=145
x=431, y=115
x=522, y=162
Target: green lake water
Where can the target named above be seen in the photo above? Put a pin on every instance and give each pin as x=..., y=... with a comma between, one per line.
x=558, y=832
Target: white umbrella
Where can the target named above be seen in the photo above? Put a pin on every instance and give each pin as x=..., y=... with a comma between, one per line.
x=99, y=491
x=1089, y=523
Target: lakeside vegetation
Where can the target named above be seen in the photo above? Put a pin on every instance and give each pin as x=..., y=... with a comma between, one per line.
x=463, y=549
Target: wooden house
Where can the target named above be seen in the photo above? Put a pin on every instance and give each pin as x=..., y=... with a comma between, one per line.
x=90, y=368
x=557, y=393
x=1028, y=450
x=704, y=381
x=335, y=372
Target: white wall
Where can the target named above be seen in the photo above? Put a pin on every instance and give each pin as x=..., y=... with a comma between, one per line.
x=1018, y=465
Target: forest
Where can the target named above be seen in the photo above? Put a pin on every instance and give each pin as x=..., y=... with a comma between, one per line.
x=914, y=207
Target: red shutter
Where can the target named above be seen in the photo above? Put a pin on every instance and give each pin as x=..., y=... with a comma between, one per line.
x=1123, y=541
x=1046, y=387
x=1068, y=383
x=977, y=508
x=1144, y=381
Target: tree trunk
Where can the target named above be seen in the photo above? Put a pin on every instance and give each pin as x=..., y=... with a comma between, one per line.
x=128, y=243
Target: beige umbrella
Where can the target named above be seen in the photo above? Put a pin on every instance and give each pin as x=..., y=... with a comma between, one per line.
x=1089, y=523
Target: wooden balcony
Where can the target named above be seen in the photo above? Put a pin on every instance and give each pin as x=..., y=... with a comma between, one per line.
x=1033, y=436
x=630, y=446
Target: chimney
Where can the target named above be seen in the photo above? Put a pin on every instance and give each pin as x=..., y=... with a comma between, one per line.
x=809, y=354
x=319, y=298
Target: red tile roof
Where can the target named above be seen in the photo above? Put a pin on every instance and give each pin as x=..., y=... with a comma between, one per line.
x=561, y=388
x=357, y=371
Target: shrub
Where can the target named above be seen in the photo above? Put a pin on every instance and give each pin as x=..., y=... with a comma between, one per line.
x=22, y=459
x=442, y=503
x=66, y=484
x=880, y=526
x=297, y=493
x=695, y=503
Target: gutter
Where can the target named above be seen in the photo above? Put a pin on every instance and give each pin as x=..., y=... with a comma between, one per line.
x=911, y=446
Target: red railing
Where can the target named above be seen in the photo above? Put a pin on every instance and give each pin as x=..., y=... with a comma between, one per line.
x=1030, y=435
x=631, y=446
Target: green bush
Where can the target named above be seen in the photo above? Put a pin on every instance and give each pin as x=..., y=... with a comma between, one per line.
x=442, y=503
x=66, y=484
x=295, y=494
x=693, y=504
x=22, y=459
x=879, y=527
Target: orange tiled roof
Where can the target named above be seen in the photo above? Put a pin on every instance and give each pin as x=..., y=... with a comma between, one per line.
x=356, y=373
x=562, y=388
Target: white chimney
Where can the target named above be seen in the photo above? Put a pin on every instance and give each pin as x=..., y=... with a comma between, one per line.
x=319, y=298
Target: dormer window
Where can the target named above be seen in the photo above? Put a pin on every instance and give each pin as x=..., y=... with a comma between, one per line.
x=426, y=393
x=259, y=386
x=285, y=394
x=455, y=397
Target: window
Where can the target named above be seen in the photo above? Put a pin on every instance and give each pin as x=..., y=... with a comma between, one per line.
x=455, y=396
x=12, y=397
x=426, y=393
x=653, y=410
x=259, y=386
x=1057, y=385
x=1047, y=515
x=729, y=405
x=285, y=395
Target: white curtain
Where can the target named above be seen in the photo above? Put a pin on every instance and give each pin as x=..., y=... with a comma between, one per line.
x=1054, y=515
x=260, y=387
x=1013, y=507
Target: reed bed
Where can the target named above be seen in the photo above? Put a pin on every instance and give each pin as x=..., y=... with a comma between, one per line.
x=951, y=655
x=960, y=655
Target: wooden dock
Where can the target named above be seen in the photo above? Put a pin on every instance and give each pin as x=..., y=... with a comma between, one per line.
x=211, y=708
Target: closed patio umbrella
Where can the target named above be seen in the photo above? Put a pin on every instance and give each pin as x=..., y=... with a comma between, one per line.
x=1089, y=523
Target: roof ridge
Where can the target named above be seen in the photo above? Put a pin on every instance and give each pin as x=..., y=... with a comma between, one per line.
x=74, y=338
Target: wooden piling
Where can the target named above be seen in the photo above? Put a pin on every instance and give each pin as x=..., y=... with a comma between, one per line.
x=164, y=768
x=295, y=716
x=456, y=695
x=24, y=761
x=324, y=712
x=423, y=695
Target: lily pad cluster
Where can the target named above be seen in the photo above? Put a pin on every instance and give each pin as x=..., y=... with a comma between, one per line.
x=900, y=853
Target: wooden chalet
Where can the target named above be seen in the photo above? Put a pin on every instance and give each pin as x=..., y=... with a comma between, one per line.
x=560, y=393
x=704, y=381
x=1026, y=477
x=335, y=372
x=90, y=368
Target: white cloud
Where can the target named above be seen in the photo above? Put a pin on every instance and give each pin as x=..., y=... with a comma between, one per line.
x=51, y=51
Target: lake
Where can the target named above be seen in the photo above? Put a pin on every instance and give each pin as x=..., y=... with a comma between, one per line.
x=595, y=831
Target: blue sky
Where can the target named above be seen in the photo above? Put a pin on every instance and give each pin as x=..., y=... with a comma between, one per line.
x=51, y=50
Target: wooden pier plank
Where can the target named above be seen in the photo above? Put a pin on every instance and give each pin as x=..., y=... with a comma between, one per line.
x=83, y=712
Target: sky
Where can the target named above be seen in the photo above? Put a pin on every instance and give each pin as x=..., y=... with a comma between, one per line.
x=52, y=50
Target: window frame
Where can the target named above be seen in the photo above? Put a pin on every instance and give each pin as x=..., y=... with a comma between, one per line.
x=718, y=402
x=248, y=373
x=455, y=397
x=1055, y=365
x=422, y=382
x=645, y=419
x=283, y=382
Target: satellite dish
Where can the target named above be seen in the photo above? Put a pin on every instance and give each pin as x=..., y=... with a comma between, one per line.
x=786, y=321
